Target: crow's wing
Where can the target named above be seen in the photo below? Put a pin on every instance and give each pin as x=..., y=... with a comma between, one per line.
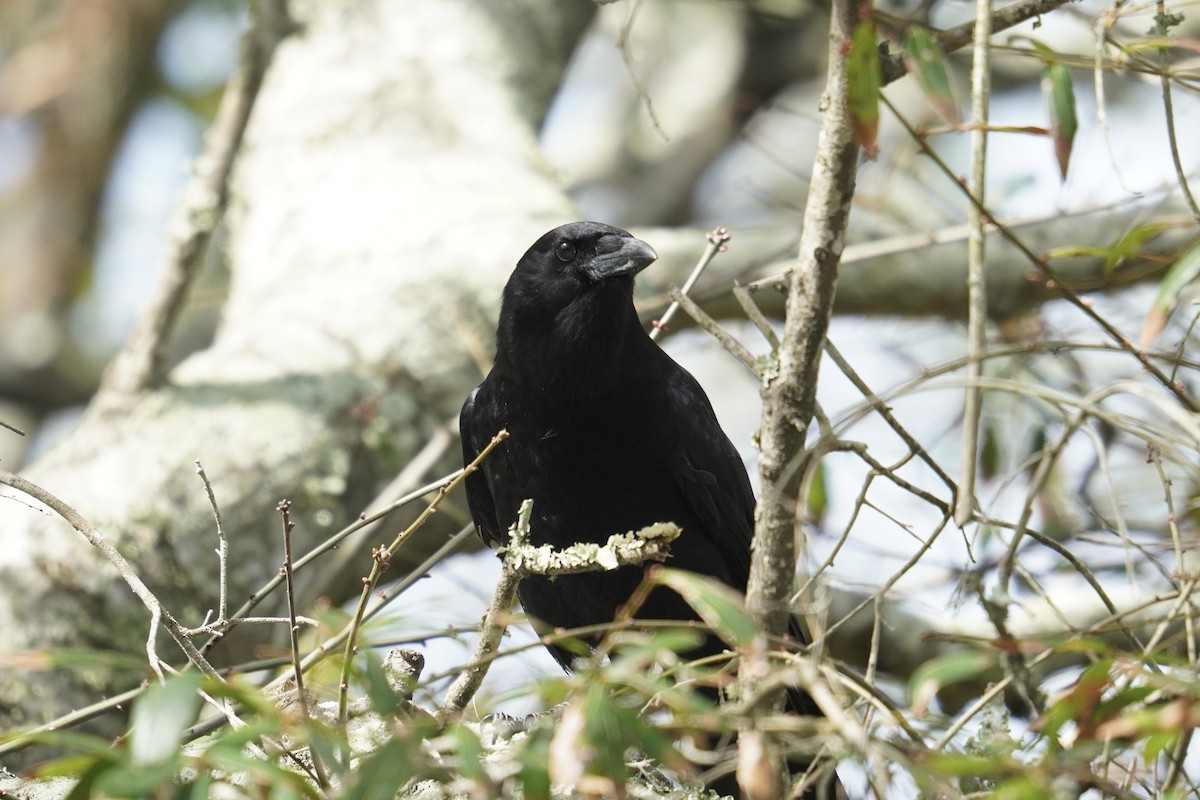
x=476, y=427
x=711, y=474
x=708, y=470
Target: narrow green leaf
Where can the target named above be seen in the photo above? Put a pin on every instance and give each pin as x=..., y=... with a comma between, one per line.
x=927, y=64
x=383, y=697
x=535, y=758
x=963, y=765
x=1158, y=743
x=135, y=781
x=160, y=717
x=1060, y=97
x=381, y=775
x=721, y=608
x=82, y=790
x=470, y=752
x=69, y=766
x=1077, y=251
x=931, y=676
x=1130, y=243
x=1181, y=275
x=863, y=84
x=818, y=494
x=604, y=733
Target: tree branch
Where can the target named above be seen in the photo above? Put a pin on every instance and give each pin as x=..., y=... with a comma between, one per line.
x=139, y=365
x=789, y=399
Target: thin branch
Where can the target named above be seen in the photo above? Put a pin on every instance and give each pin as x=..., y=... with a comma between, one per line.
x=284, y=508
x=710, y=325
x=222, y=546
x=651, y=543
x=328, y=646
x=124, y=568
x=882, y=409
x=1039, y=263
x=627, y=57
x=718, y=238
x=1162, y=24
x=239, y=616
x=381, y=557
x=755, y=314
x=139, y=365
x=490, y=634
x=951, y=39
x=981, y=88
x=12, y=428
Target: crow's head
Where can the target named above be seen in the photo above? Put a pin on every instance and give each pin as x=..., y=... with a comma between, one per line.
x=574, y=260
x=572, y=292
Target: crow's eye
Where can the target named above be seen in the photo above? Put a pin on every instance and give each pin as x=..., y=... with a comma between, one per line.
x=565, y=251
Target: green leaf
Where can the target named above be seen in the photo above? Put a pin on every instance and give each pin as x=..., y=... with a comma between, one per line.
x=863, y=84
x=1078, y=704
x=383, y=697
x=329, y=746
x=1020, y=787
x=97, y=746
x=1060, y=97
x=604, y=733
x=818, y=494
x=931, y=676
x=1157, y=744
x=199, y=789
x=926, y=63
x=82, y=790
x=383, y=773
x=1181, y=275
x=130, y=780
x=1128, y=246
x=257, y=770
x=470, y=752
x=964, y=765
x=1077, y=251
x=161, y=715
x=535, y=756
x=69, y=766
x=720, y=607
x=1130, y=243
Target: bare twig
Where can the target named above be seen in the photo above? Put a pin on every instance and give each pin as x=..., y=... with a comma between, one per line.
x=882, y=409
x=981, y=87
x=239, y=616
x=94, y=537
x=627, y=57
x=1162, y=24
x=735, y=348
x=284, y=508
x=222, y=545
x=718, y=238
x=12, y=428
x=381, y=558
x=139, y=365
x=490, y=634
x=745, y=299
x=651, y=543
x=327, y=647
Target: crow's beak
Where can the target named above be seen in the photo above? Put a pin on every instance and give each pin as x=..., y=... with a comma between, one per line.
x=619, y=255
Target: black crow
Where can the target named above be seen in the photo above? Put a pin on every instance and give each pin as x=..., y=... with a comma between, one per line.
x=606, y=434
